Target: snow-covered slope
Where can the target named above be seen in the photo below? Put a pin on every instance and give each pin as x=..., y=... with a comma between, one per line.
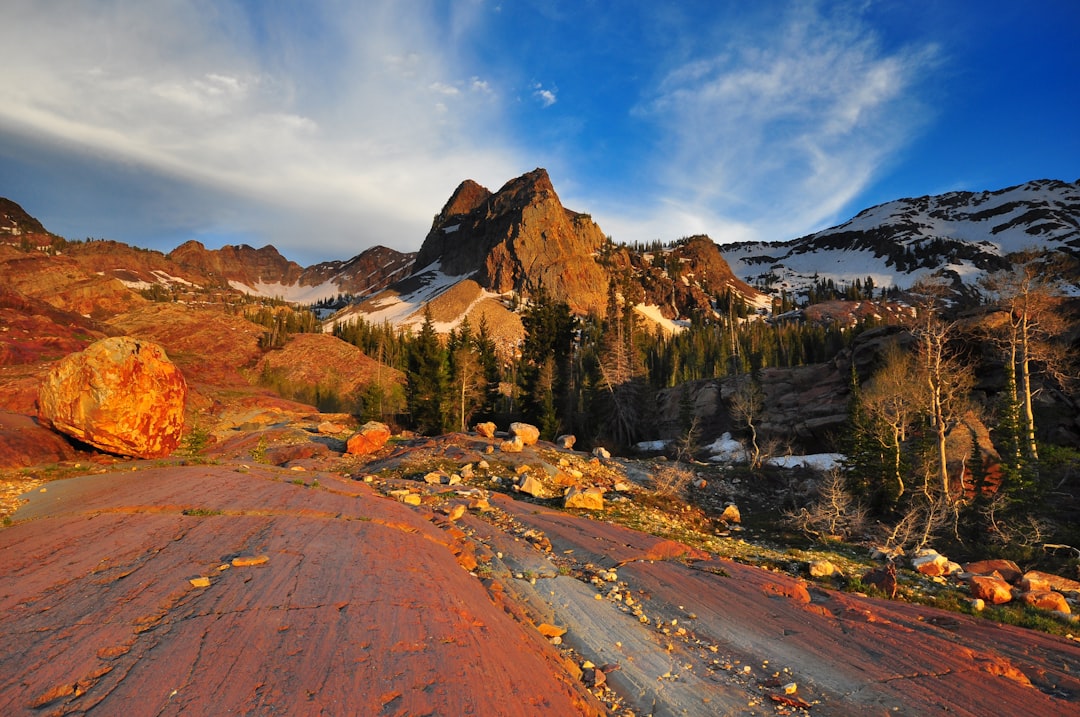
x=963, y=234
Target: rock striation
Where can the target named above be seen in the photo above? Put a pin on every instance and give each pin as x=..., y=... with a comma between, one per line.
x=121, y=395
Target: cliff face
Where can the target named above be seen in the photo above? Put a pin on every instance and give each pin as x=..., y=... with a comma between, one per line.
x=519, y=239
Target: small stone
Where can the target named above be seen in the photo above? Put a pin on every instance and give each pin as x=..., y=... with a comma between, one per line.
x=790, y=688
x=977, y=604
x=483, y=465
x=514, y=445
x=435, y=478
x=930, y=563
x=486, y=429
x=410, y=499
x=479, y=504
x=249, y=560
x=548, y=630
x=991, y=588
x=1046, y=600
x=601, y=452
x=731, y=514
x=587, y=499
x=566, y=441
x=329, y=427
x=456, y=512
x=528, y=433
x=822, y=569
x=530, y=486
x=467, y=471
x=200, y=582
x=371, y=436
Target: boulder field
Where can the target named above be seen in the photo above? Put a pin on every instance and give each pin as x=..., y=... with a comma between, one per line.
x=255, y=589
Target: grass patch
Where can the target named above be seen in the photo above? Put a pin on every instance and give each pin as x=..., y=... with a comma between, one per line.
x=202, y=512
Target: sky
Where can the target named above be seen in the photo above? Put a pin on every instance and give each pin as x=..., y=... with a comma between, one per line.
x=325, y=127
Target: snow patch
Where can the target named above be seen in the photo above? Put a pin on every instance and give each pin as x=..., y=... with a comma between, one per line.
x=817, y=461
x=294, y=293
x=652, y=313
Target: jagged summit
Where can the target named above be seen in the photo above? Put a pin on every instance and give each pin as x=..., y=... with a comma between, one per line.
x=518, y=239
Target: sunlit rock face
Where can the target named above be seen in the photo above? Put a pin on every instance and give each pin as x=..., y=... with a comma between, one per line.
x=121, y=395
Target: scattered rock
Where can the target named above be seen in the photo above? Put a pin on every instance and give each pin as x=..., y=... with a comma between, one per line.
x=587, y=499
x=371, y=437
x=601, y=452
x=514, y=445
x=121, y=395
x=823, y=569
x=990, y=588
x=566, y=441
x=550, y=630
x=931, y=563
x=330, y=428
x=1055, y=582
x=528, y=433
x=435, y=478
x=1007, y=569
x=200, y=582
x=731, y=514
x=1046, y=600
x=249, y=560
x=530, y=486
x=456, y=511
x=486, y=429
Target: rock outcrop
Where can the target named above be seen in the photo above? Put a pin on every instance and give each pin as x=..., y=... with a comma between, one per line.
x=121, y=395
x=520, y=238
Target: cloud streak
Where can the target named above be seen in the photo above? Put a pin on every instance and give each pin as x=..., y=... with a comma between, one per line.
x=361, y=133
x=780, y=131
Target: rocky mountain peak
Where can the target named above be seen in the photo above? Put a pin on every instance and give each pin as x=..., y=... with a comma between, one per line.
x=468, y=196
x=519, y=239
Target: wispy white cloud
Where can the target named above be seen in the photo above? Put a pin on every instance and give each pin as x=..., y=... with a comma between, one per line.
x=779, y=131
x=354, y=135
x=546, y=96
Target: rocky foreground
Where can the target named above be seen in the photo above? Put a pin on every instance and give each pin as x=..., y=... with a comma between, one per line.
x=281, y=576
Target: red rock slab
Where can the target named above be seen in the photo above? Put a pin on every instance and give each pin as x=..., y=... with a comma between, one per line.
x=359, y=609
x=24, y=442
x=856, y=655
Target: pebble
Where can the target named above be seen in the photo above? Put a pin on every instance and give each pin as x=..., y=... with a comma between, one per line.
x=200, y=582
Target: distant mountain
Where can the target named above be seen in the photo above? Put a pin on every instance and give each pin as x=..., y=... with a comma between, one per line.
x=960, y=235
x=487, y=251
x=265, y=272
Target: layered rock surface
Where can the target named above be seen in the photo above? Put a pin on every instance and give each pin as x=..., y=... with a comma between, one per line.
x=238, y=588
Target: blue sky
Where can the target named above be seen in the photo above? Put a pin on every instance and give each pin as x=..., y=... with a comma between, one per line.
x=328, y=126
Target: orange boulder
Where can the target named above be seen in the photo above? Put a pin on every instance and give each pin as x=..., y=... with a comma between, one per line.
x=121, y=395
x=371, y=437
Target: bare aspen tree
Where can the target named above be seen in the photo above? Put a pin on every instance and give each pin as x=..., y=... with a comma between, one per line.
x=945, y=379
x=1029, y=297
x=747, y=403
x=893, y=406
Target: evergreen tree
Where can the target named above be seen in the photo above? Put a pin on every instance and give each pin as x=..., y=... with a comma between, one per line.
x=426, y=378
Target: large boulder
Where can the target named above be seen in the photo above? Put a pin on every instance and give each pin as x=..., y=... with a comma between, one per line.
x=121, y=395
